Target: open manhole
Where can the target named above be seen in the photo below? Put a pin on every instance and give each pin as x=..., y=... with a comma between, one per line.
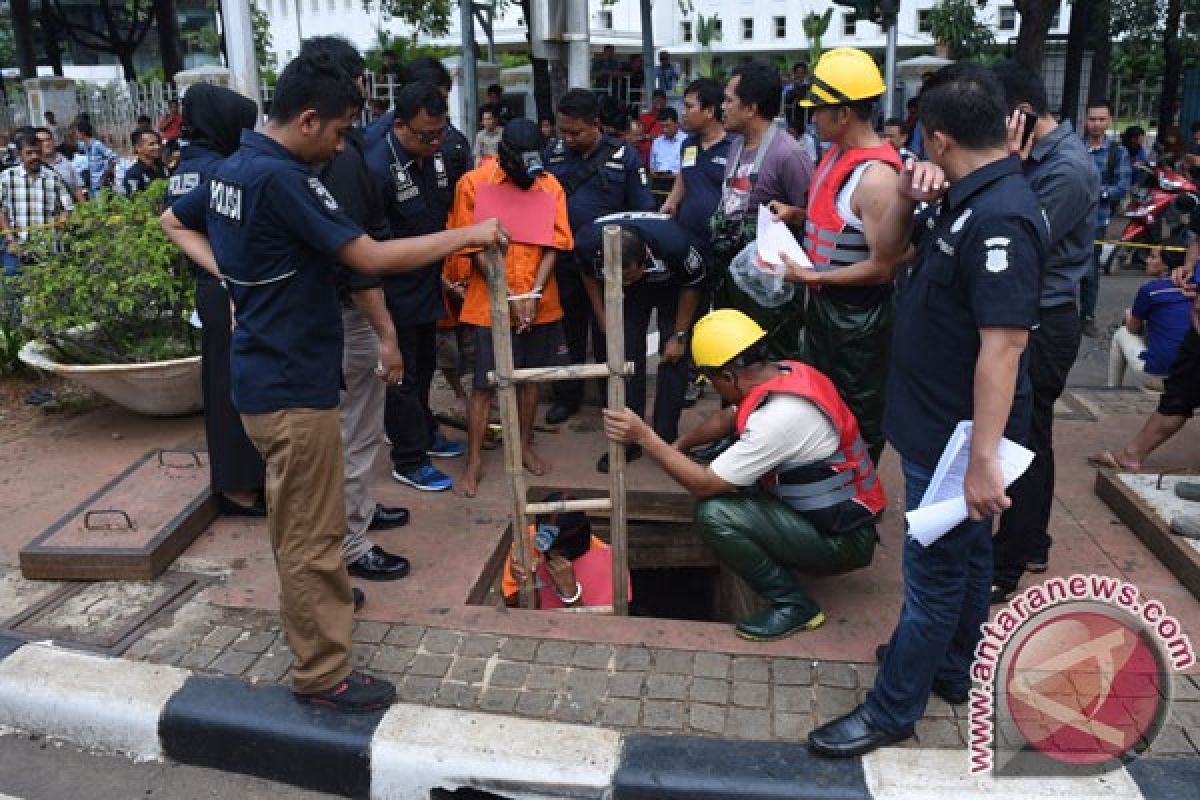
x=104, y=617
x=675, y=575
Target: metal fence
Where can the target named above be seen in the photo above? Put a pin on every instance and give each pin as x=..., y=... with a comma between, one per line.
x=114, y=108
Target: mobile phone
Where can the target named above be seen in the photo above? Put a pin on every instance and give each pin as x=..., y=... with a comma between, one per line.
x=1028, y=121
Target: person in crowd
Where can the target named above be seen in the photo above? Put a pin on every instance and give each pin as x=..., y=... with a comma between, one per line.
x=213, y=120
x=549, y=132
x=1148, y=341
x=537, y=338
x=52, y=123
x=499, y=108
x=572, y=566
x=1170, y=149
x=31, y=196
x=663, y=273
x=371, y=356
x=8, y=151
x=147, y=148
x=393, y=71
x=893, y=134
x=763, y=169
x=100, y=157
x=1112, y=164
x=487, y=139
x=848, y=321
x=601, y=175
x=666, y=151
x=651, y=123
x=795, y=492
x=413, y=179
x=378, y=107
x=170, y=125
x=143, y=123
x=703, y=157
x=1192, y=157
x=54, y=159
x=268, y=226
x=607, y=71
x=70, y=146
x=1134, y=140
x=666, y=73
x=796, y=114
x=1057, y=167
x=964, y=310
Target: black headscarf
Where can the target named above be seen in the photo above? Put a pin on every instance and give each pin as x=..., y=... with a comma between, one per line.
x=214, y=116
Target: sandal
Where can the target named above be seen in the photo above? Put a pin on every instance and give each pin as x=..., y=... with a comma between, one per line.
x=1106, y=460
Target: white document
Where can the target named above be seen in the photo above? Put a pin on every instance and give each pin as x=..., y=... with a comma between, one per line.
x=774, y=239
x=943, y=507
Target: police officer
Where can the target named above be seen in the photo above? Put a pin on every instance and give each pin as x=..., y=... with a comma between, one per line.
x=601, y=175
x=848, y=320
x=412, y=177
x=213, y=120
x=277, y=233
x=964, y=311
x=662, y=273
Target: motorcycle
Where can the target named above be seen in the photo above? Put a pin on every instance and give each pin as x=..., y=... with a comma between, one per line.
x=1157, y=202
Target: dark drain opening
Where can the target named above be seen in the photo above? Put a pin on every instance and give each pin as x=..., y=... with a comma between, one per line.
x=687, y=593
x=464, y=794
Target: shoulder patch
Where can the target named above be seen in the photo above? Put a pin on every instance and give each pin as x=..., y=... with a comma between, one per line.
x=997, y=253
x=323, y=194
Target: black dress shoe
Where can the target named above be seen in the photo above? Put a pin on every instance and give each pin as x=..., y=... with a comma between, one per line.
x=560, y=413
x=954, y=695
x=360, y=598
x=852, y=735
x=632, y=453
x=387, y=517
x=232, y=508
x=378, y=564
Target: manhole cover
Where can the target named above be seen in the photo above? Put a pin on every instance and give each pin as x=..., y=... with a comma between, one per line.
x=104, y=617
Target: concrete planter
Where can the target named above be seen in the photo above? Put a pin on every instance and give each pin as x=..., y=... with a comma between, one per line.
x=158, y=388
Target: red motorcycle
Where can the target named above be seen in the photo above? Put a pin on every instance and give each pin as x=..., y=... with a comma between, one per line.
x=1157, y=202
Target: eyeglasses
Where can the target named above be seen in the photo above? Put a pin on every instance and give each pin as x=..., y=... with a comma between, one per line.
x=429, y=137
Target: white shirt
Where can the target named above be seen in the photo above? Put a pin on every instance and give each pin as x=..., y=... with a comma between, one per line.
x=786, y=430
x=665, y=154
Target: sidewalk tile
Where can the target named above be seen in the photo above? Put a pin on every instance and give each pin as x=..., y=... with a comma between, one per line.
x=232, y=662
x=441, y=642
x=1172, y=740
x=832, y=673
x=391, y=659
x=587, y=681
x=750, y=668
x=1185, y=688
x=509, y=675
x=555, y=653
x=793, y=727
x=673, y=662
x=938, y=733
x=707, y=718
x=434, y=666
x=794, y=699
x=221, y=637
x=621, y=712
x=748, y=723
x=625, y=684
x=792, y=671
x=199, y=657
x=369, y=632
x=832, y=702
x=468, y=670
x=593, y=656
x=938, y=707
x=271, y=667
x=710, y=690
x=256, y=643
x=535, y=704
x=457, y=695
x=518, y=649
x=405, y=636
x=498, y=700
x=418, y=689
x=632, y=658
x=664, y=714
x=361, y=655
x=711, y=665
x=666, y=687
x=479, y=645
x=577, y=707
x=542, y=676
x=750, y=695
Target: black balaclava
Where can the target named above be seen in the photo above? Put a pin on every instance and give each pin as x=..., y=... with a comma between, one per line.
x=214, y=116
x=520, y=152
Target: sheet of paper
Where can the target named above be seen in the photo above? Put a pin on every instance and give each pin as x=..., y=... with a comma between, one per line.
x=775, y=240
x=943, y=506
x=528, y=216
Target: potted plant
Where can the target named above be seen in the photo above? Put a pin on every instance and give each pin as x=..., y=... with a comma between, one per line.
x=106, y=301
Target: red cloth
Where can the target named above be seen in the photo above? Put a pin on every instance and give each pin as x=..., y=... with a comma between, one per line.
x=651, y=129
x=170, y=126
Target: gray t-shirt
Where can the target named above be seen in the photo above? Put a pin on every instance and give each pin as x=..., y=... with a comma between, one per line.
x=786, y=173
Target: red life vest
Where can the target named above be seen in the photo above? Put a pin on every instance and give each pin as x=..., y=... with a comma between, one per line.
x=839, y=493
x=829, y=240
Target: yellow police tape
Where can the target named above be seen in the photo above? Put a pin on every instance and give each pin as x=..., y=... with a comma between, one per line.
x=1168, y=248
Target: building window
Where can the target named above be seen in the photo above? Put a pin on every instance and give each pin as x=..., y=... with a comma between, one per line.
x=849, y=25
x=923, y=23
x=687, y=30
x=719, y=28
x=747, y=27
x=781, y=27
x=283, y=7
x=349, y=5
x=316, y=6
x=332, y=5
x=1008, y=18
x=606, y=20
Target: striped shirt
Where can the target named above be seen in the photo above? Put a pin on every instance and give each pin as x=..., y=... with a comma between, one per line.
x=32, y=199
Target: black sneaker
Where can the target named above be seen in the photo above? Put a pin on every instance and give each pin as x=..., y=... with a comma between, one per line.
x=356, y=693
x=632, y=453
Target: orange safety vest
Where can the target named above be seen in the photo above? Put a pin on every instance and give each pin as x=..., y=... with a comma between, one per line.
x=831, y=242
x=839, y=493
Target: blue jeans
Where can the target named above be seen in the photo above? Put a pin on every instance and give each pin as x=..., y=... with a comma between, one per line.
x=1089, y=287
x=947, y=594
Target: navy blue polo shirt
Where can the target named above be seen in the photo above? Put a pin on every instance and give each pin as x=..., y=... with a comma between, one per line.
x=669, y=242
x=417, y=197
x=455, y=147
x=196, y=164
x=703, y=172
x=618, y=184
x=979, y=262
x=274, y=229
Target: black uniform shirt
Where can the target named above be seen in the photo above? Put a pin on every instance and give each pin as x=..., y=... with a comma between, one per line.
x=669, y=243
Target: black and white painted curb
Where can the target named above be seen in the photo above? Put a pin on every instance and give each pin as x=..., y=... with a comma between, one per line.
x=152, y=712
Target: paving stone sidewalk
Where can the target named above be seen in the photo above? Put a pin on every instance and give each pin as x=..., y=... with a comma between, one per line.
x=630, y=688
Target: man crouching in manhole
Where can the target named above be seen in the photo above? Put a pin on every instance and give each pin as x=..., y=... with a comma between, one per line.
x=795, y=491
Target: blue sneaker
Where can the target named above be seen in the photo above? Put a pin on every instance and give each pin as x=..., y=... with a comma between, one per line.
x=441, y=447
x=426, y=477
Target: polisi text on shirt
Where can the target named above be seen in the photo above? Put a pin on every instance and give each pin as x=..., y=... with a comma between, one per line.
x=225, y=200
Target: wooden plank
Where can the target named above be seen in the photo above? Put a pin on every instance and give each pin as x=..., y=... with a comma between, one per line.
x=653, y=506
x=574, y=504
x=132, y=528
x=510, y=415
x=614, y=325
x=551, y=374
x=1172, y=550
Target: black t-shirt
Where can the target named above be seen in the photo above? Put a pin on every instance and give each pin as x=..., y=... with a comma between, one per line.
x=139, y=176
x=669, y=243
x=978, y=265
x=347, y=179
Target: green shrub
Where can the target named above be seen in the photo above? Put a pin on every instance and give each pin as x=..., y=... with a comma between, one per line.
x=109, y=287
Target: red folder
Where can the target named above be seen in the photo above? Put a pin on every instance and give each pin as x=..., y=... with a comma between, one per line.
x=527, y=215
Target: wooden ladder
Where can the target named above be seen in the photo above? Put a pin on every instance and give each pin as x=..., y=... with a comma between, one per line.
x=506, y=379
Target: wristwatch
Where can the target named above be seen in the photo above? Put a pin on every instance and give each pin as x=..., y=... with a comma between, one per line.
x=680, y=335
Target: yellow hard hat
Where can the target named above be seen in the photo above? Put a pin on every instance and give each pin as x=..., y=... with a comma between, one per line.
x=842, y=76
x=722, y=335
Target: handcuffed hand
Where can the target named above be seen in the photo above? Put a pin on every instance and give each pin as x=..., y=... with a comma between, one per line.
x=562, y=573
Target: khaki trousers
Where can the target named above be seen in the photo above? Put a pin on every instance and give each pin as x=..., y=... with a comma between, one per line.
x=361, y=412
x=302, y=448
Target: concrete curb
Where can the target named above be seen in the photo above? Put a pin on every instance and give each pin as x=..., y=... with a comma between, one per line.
x=155, y=712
